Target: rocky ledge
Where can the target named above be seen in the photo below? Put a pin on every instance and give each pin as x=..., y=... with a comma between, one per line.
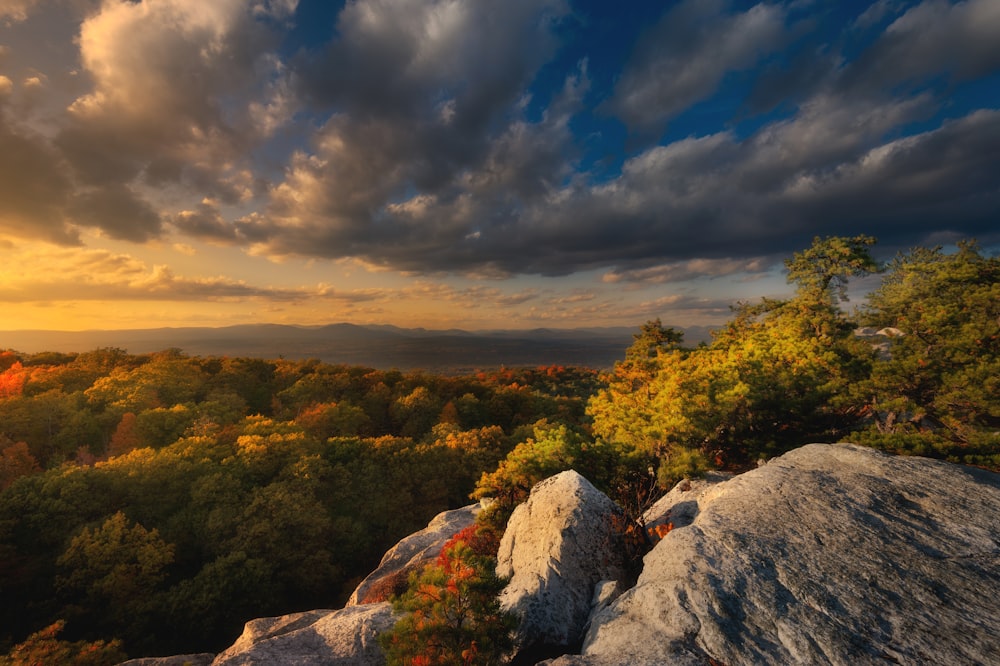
x=830, y=554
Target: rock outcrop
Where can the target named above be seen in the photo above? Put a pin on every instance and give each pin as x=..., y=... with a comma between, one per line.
x=411, y=554
x=318, y=638
x=557, y=547
x=200, y=659
x=830, y=554
x=679, y=507
x=347, y=636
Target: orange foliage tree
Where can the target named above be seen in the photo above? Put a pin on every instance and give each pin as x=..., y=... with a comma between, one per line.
x=43, y=647
x=451, y=614
x=12, y=381
x=125, y=438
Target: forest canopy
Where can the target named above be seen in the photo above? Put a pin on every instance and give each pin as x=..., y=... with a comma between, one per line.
x=153, y=503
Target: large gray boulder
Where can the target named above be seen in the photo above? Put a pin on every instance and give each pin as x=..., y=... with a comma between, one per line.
x=558, y=545
x=316, y=638
x=412, y=554
x=830, y=554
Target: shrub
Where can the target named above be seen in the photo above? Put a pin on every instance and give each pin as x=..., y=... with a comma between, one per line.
x=451, y=615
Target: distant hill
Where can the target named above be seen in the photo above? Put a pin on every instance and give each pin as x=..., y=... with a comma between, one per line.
x=377, y=346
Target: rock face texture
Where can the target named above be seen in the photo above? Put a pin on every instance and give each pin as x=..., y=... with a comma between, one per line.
x=556, y=549
x=830, y=554
x=320, y=638
x=411, y=554
x=679, y=507
x=200, y=659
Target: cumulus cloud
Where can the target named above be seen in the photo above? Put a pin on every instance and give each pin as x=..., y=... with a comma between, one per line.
x=683, y=58
x=411, y=196
x=118, y=211
x=826, y=172
x=34, y=187
x=418, y=137
x=162, y=75
x=425, y=101
x=206, y=222
x=166, y=94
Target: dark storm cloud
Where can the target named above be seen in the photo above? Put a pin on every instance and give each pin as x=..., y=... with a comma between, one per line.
x=719, y=197
x=454, y=136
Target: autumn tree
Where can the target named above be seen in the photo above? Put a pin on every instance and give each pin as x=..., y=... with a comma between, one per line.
x=450, y=612
x=168, y=379
x=12, y=381
x=773, y=377
x=8, y=358
x=416, y=412
x=125, y=437
x=15, y=461
x=245, y=499
x=330, y=419
x=44, y=647
x=552, y=449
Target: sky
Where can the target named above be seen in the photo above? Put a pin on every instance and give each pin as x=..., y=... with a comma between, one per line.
x=475, y=164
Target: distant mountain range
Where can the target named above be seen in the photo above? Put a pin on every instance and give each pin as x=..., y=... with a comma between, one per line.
x=377, y=346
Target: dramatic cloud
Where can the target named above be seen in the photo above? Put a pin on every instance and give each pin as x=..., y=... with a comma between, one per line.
x=408, y=196
x=180, y=91
x=170, y=84
x=34, y=187
x=463, y=141
x=684, y=57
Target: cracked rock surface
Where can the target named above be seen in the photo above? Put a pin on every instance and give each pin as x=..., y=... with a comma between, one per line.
x=557, y=547
x=830, y=554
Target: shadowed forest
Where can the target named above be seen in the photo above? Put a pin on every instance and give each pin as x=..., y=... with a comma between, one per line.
x=151, y=504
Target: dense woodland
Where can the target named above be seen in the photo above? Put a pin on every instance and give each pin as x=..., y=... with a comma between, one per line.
x=156, y=502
